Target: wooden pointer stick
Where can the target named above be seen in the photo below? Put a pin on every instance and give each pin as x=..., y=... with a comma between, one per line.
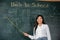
x=14, y=25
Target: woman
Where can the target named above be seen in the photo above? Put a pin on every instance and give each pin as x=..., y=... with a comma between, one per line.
x=41, y=30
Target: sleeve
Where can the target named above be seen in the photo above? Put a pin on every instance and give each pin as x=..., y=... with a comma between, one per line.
x=48, y=33
x=32, y=36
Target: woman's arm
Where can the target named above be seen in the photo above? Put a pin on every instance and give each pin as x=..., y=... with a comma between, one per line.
x=30, y=36
x=48, y=33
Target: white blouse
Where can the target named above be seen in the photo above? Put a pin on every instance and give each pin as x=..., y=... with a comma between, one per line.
x=41, y=31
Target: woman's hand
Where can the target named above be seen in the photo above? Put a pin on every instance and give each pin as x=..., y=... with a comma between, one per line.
x=25, y=34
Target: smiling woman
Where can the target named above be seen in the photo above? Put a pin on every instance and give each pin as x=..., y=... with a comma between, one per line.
x=41, y=29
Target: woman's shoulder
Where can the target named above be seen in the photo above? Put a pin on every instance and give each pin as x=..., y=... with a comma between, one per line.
x=45, y=24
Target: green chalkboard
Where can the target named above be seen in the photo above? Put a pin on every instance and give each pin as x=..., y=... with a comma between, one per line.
x=19, y=16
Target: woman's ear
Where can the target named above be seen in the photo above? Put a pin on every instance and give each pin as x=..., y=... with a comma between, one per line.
x=37, y=20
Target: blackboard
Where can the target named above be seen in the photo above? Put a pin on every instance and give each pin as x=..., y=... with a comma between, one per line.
x=23, y=14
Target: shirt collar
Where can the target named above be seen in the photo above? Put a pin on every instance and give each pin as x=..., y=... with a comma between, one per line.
x=40, y=25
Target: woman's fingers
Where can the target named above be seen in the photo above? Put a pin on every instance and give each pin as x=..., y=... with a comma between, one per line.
x=25, y=34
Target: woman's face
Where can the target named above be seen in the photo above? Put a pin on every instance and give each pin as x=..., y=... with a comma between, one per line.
x=39, y=20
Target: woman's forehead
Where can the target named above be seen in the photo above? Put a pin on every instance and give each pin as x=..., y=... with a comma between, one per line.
x=39, y=17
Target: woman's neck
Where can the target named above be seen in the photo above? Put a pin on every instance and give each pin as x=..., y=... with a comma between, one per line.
x=40, y=24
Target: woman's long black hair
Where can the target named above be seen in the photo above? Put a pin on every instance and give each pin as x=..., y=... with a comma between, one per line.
x=36, y=23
